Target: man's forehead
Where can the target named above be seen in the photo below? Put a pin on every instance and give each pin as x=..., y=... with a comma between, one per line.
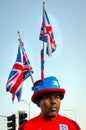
x=52, y=93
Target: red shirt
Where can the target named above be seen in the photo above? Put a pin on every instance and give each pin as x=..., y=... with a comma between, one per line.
x=59, y=123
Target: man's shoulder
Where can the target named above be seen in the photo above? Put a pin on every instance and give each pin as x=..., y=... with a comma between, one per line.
x=28, y=123
x=70, y=121
x=76, y=124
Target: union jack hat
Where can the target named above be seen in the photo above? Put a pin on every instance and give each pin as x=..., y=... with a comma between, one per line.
x=47, y=85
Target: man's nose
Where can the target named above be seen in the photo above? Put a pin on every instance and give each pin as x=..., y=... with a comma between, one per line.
x=52, y=99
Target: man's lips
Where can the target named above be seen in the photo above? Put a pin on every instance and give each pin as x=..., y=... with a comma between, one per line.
x=53, y=108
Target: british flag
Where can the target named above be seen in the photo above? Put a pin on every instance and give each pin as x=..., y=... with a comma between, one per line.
x=46, y=34
x=20, y=71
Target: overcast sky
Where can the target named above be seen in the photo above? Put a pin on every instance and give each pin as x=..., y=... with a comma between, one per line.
x=68, y=62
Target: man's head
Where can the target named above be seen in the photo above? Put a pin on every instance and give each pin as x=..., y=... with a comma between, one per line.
x=47, y=95
x=50, y=105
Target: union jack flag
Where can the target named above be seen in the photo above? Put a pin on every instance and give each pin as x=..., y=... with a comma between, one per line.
x=20, y=71
x=46, y=34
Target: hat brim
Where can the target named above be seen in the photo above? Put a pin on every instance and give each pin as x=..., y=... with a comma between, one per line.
x=61, y=92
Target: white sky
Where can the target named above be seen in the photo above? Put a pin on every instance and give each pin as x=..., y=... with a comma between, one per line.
x=68, y=62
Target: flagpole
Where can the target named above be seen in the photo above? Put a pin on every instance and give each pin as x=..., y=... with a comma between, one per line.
x=42, y=69
x=26, y=60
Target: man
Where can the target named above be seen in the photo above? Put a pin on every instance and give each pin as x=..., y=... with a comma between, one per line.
x=47, y=95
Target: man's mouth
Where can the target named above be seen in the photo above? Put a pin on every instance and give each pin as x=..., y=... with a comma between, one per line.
x=53, y=108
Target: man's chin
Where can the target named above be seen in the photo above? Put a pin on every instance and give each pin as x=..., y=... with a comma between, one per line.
x=53, y=114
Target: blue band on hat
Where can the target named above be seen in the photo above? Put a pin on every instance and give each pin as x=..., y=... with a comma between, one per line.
x=50, y=82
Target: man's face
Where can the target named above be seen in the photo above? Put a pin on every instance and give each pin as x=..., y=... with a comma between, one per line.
x=50, y=105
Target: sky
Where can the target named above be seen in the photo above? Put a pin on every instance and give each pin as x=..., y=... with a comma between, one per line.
x=68, y=62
